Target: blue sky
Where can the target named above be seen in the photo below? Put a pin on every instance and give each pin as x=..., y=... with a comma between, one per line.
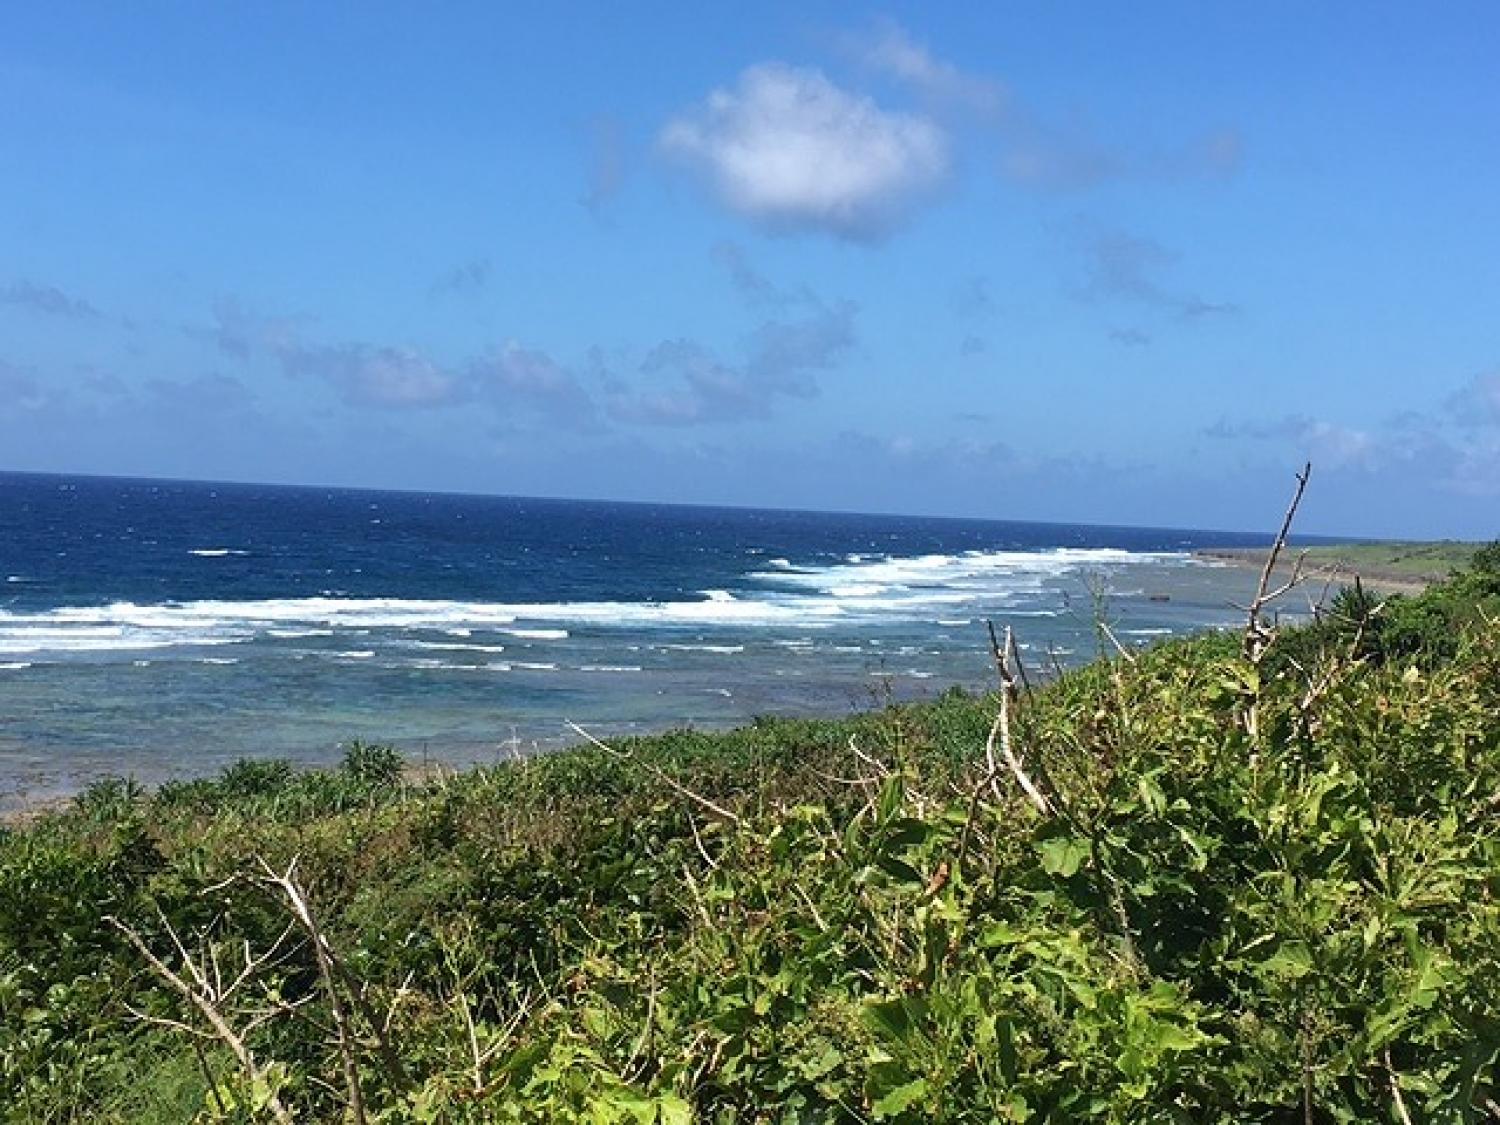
x=1110, y=263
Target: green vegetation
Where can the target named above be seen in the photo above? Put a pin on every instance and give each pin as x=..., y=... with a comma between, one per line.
x=1252, y=891
x=1391, y=563
x=1418, y=561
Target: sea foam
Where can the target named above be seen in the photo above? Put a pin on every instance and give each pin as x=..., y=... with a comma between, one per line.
x=864, y=589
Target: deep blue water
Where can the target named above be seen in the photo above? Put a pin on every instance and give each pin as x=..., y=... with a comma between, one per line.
x=165, y=628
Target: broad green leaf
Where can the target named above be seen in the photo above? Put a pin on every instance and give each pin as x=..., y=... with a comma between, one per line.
x=1064, y=855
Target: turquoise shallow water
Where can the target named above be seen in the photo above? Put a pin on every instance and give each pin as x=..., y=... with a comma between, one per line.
x=166, y=629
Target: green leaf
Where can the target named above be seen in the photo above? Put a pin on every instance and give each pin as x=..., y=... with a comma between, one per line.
x=1064, y=855
x=1291, y=960
x=900, y=1099
x=1151, y=795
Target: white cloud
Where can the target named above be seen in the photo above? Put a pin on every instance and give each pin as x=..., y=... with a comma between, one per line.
x=789, y=149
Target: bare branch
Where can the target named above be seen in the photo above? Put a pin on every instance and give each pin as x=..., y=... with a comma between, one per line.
x=206, y=1004
x=661, y=775
x=1000, y=730
x=332, y=972
x=1258, y=636
x=1114, y=640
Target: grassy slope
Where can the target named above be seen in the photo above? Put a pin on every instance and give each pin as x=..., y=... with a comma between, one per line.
x=1217, y=926
x=1431, y=561
x=1398, y=565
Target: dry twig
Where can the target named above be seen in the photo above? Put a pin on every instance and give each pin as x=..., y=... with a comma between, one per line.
x=660, y=774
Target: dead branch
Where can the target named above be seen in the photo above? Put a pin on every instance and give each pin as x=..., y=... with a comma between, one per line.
x=343, y=1033
x=660, y=774
x=1000, y=730
x=199, y=995
x=1114, y=640
x=1258, y=635
x=698, y=840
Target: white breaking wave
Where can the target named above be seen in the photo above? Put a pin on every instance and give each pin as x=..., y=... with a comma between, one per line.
x=864, y=589
x=454, y=646
x=216, y=552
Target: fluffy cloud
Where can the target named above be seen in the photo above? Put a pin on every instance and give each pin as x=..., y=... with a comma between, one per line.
x=790, y=150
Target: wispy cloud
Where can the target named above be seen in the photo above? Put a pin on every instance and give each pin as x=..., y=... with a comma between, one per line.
x=464, y=279
x=606, y=171
x=887, y=48
x=378, y=376
x=1326, y=443
x=1477, y=402
x=749, y=282
x=782, y=361
x=1037, y=149
x=20, y=392
x=239, y=333
x=1127, y=267
x=47, y=299
x=516, y=374
x=972, y=299
x=510, y=380
x=788, y=149
x=1068, y=157
x=205, y=396
x=1130, y=337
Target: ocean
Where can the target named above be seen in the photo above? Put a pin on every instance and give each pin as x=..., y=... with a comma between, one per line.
x=163, y=629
